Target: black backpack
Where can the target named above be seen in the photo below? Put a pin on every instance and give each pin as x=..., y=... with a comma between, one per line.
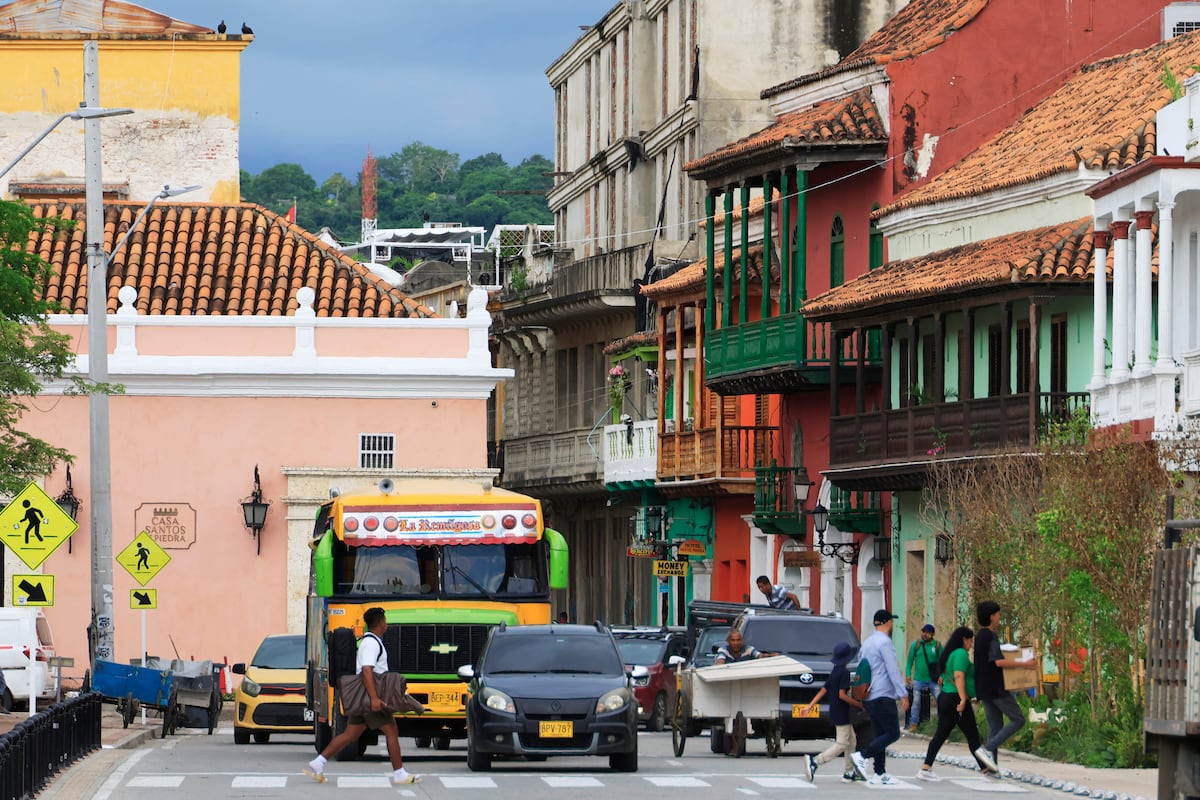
x=343, y=654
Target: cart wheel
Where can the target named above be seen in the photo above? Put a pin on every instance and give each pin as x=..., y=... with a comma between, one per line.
x=679, y=724
x=214, y=711
x=737, y=739
x=127, y=710
x=169, y=713
x=86, y=686
x=774, y=743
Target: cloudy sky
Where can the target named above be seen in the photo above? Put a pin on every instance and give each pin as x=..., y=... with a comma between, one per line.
x=323, y=81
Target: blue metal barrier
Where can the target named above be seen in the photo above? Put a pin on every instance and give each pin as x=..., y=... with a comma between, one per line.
x=49, y=741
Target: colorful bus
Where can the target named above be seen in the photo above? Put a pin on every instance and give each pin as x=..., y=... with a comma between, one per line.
x=448, y=559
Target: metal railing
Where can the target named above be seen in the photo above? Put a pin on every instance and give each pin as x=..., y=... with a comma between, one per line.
x=49, y=741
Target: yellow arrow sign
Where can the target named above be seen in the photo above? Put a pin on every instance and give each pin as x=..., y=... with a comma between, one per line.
x=33, y=590
x=143, y=558
x=33, y=526
x=143, y=598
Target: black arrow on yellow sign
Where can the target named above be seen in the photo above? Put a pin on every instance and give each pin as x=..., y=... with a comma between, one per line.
x=34, y=592
x=143, y=598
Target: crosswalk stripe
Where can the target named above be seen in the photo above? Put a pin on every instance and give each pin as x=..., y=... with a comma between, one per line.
x=363, y=782
x=681, y=783
x=156, y=782
x=781, y=783
x=988, y=785
x=468, y=783
x=571, y=782
x=260, y=782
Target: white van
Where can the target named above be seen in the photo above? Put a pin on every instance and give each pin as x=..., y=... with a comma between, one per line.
x=23, y=629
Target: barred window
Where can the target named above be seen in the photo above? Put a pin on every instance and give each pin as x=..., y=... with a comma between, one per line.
x=376, y=450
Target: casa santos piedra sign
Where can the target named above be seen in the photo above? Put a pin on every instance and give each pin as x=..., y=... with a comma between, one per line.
x=172, y=526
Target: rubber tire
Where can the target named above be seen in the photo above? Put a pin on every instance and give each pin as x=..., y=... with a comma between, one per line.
x=85, y=687
x=423, y=741
x=6, y=701
x=262, y=737
x=441, y=743
x=322, y=736
x=476, y=761
x=716, y=739
x=624, y=762
x=774, y=739
x=214, y=711
x=679, y=724
x=170, y=714
x=737, y=743
x=126, y=710
x=241, y=735
x=658, y=714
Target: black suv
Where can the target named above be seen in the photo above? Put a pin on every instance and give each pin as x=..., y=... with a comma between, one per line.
x=810, y=639
x=652, y=648
x=551, y=690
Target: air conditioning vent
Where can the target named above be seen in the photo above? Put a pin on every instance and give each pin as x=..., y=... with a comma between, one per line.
x=1180, y=18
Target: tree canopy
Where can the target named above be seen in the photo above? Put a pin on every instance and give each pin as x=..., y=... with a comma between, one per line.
x=417, y=184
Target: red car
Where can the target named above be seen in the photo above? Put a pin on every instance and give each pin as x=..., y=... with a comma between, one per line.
x=652, y=648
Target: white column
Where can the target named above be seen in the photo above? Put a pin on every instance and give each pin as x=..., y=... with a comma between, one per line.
x=1166, y=297
x=1143, y=317
x=1099, y=303
x=1121, y=287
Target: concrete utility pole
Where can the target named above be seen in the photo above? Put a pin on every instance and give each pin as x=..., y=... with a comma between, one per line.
x=102, y=639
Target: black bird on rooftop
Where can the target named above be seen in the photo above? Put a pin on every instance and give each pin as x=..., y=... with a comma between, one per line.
x=246, y=30
x=221, y=28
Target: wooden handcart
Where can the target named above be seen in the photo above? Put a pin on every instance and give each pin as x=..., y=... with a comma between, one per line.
x=732, y=698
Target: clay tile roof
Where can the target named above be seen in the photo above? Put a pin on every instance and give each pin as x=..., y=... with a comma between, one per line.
x=1103, y=118
x=1060, y=252
x=851, y=120
x=204, y=258
x=920, y=26
x=691, y=278
x=633, y=340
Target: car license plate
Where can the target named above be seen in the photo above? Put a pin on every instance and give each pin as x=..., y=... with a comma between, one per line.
x=445, y=698
x=798, y=711
x=556, y=729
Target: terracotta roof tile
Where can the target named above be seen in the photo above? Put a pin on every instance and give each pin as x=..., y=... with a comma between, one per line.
x=690, y=279
x=1102, y=118
x=918, y=27
x=202, y=258
x=1055, y=253
x=852, y=120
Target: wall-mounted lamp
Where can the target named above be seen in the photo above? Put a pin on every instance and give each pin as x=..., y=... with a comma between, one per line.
x=255, y=511
x=69, y=503
x=846, y=552
x=654, y=517
x=802, y=487
x=943, y=549
x=883, y=549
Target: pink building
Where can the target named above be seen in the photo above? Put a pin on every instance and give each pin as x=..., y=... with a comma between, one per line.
x=242, y=341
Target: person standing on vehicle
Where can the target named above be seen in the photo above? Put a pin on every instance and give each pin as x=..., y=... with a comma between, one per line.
x=887, y=686
x=920, y=672
x=777, y=595
x=837, y=688
x=954, y=702
x=372, y=661
x=997, y=701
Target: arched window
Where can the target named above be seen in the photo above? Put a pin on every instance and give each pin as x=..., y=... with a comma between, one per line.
x=837, y=253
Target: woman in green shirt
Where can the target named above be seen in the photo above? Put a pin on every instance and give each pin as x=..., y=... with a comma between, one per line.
x=954, y=702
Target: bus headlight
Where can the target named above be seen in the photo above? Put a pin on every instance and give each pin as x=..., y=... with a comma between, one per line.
x=612, y=701
x=497, y=701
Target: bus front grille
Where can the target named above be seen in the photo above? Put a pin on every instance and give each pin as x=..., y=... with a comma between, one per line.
x=434, y=647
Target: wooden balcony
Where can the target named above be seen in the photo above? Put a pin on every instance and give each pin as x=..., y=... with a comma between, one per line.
x=886, y=450
x=631, y=454
x=727, y=455
x=775, y=506
x=779, y=354
x=859, y=512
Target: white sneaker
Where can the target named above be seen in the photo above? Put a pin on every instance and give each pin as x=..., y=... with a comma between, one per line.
x=316, y=771
x=882, y=779
x=986, y=759
x=860, y=764
x=927, y=775
x=402, y=776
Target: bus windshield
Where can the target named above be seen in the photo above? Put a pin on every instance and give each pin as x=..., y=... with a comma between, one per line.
x=488, y=571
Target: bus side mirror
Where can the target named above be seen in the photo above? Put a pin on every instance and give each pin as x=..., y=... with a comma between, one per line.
x=323, y=565
x=558, y=558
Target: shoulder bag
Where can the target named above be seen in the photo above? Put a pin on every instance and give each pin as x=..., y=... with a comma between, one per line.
x=935, y=670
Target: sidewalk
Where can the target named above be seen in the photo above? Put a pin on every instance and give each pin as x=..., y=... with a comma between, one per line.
x=906, y=756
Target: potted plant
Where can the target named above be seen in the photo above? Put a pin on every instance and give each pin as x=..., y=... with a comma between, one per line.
x=618, y=385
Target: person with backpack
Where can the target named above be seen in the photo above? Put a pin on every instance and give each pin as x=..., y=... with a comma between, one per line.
x=921, y=672
x=372, y=661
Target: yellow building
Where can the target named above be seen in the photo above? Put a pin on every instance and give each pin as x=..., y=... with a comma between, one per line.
x=181, y=79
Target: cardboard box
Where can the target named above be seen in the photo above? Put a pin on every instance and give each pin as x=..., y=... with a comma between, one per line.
x=1018, y=679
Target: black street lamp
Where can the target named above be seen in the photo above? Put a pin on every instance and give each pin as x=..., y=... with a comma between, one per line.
x=846, y=552
x=69, y=503
x=254, y=509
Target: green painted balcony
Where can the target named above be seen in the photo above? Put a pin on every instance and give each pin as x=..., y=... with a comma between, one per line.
x=858, y=512
x=779, y=355
x=775, y=506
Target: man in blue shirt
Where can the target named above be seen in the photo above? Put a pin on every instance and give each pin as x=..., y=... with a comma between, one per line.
x=887, y=686
x=778, y=596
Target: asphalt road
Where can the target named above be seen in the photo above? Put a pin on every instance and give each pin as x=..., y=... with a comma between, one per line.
x=200, y=767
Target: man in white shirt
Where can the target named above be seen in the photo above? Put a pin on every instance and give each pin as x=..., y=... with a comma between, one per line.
x=887, y=686
x=372, y=660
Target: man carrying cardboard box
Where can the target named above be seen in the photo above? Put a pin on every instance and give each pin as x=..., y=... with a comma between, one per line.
x=998, y=702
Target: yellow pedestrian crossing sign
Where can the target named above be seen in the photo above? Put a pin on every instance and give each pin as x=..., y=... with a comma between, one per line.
x=143, y=558
x=33, y=590
x=143, y=598
x=32, y=526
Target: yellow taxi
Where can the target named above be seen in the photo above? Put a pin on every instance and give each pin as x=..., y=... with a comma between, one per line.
x=271, y=696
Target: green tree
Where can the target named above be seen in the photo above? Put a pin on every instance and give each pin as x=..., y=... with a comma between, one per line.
x=31, y=353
